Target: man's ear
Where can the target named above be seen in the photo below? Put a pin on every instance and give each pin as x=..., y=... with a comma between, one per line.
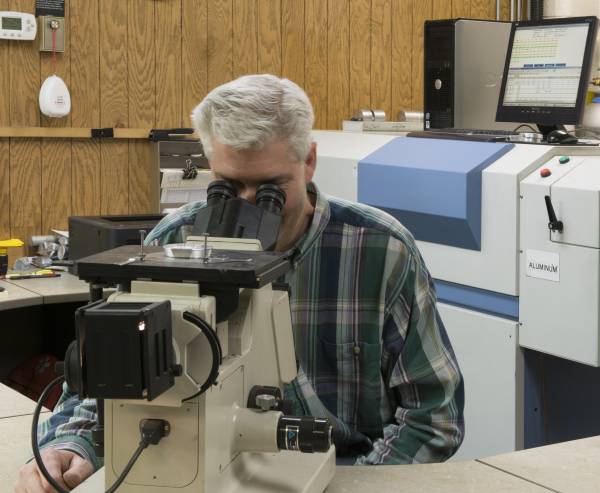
x=310, y=163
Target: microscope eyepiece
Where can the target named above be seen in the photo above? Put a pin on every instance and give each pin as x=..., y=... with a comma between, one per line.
x=219, y=192
x=270, y=198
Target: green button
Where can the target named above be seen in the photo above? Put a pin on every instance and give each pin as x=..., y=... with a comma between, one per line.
x=564, y=160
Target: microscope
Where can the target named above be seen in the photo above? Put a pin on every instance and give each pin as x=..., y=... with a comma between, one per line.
x=188, y=360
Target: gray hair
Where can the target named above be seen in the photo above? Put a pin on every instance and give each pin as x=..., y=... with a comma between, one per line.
x=254, y=111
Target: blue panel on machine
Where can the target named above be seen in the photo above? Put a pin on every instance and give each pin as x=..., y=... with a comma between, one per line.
x=433, y=187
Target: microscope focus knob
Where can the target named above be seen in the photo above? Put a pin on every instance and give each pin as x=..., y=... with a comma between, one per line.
x=265, y=402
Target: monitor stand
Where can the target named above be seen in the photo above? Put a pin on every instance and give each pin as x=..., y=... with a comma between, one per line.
x=545, y=130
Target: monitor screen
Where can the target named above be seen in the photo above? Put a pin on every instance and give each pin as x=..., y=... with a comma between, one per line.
x=545, y=65
x=547, y=71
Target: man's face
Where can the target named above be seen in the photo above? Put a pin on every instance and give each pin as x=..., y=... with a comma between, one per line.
x=248, y=170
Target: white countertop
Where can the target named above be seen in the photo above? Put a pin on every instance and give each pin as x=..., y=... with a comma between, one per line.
x=26, y=292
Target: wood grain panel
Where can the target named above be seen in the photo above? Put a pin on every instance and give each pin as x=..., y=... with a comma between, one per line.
x=442, y=9
x=483, y=9
x=142, y=98
x=402, y=33
x=5, y=68
x=24, y=76
x=85, y=64
x=194, y=55
x=422, y=11
x=381, y=56
x=25, y=189
x=461, y=8
x=115, y=176
x=245, y=37
x=4, y=188
x=338, y=63
x=114, y=99
x=141, y=67
x=63, y=70
x=292, y=42
x=4, y=143
x=113, y=64
x=315, y=59
x=85, y=180
x=168, y=64
x=56, y=184
x=220, y=42
x=139, y=180
x=360, y=55
x=269, y=37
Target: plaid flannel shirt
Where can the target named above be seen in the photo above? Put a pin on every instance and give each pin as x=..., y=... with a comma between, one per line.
x=374, y=355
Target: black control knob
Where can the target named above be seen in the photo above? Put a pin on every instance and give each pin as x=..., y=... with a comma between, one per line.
x=305, y=434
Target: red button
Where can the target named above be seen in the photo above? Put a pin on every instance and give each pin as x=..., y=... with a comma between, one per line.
x=545, y=173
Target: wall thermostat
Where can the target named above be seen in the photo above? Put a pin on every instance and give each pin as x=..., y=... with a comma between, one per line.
x=18, y=26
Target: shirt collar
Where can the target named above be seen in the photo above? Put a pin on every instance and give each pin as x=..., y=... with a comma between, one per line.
x=318, y=225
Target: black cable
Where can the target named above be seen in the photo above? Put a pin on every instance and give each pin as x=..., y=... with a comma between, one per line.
x=521, y=126
x=36, y=449
x=215, y=347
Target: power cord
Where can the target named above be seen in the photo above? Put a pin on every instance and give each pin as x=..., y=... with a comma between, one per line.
x=152, y=431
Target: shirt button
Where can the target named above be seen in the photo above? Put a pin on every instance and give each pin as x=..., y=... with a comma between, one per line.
x=356, y=350
x=295, y=264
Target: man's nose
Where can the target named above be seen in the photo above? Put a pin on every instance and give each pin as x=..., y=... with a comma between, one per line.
x=249, y=195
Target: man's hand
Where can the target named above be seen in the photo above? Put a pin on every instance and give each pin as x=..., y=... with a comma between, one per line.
x=67, y=468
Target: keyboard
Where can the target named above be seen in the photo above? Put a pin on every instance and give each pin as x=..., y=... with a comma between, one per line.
x=472, y=134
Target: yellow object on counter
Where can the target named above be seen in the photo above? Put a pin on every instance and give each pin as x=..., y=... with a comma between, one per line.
x=46, y=271
x=9, y=243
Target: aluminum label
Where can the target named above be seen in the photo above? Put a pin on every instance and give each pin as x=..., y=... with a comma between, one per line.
x=543, y=265
x=291, y=438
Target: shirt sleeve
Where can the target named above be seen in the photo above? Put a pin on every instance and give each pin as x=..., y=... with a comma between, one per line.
x=423, y=380
x=70, y=427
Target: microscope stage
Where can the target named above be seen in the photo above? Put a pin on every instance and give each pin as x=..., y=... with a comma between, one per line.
x=254, y=269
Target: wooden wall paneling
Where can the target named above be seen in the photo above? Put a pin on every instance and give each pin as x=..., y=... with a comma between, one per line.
x=25, y=190
x=360, y=55
x=442, y=9
x=422, y=11
x=84, y=32
x=483, y=9
x=338, y=64
x=402, y=35
x=141, y=79
x=220, y=42
x=168, y=64
x=4, y=189
x=315, y=59
x=269, y=37
x=381, y=56
x=292, y=41
x=461, y=8
x=505, y=10
x=114, y=103
x=56, y=184
x=245, y=37
x=24, y=76
x=4, y=143
x=85, y=177
x=194, y=55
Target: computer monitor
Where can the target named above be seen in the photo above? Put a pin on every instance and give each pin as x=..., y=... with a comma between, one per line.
x=547, y=72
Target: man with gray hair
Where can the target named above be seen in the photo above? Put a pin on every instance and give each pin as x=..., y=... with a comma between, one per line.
x=374, y=356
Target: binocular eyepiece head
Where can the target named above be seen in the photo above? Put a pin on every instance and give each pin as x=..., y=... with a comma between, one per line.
x=268, y=196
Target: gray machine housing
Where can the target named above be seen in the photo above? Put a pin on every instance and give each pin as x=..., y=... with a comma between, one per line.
x=467, y=57
x=89, y=235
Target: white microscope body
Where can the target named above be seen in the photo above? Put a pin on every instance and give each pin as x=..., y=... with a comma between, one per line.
x=216, y=443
